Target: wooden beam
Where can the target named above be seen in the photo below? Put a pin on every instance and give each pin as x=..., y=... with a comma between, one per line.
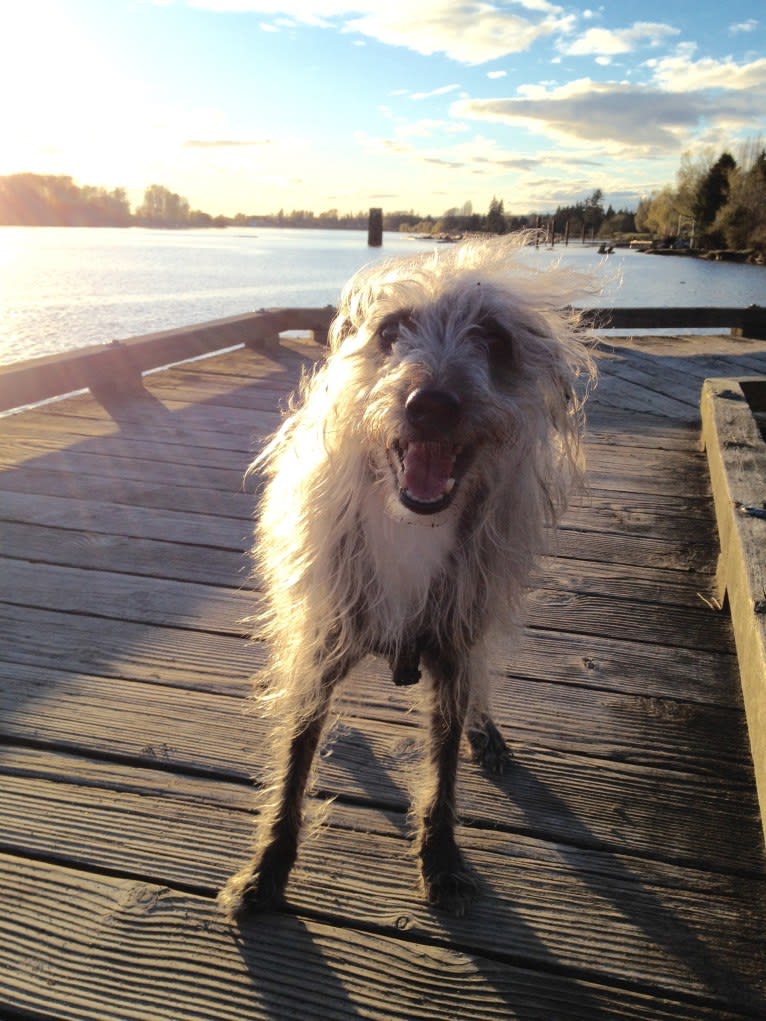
x=747, y=320
x=119, y=365
x=737, y=457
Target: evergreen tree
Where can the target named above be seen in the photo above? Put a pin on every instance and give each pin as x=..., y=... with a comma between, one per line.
x=713, y=191
x=496, y=217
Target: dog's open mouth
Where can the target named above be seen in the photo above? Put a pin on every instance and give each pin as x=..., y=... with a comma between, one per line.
x=426, y=473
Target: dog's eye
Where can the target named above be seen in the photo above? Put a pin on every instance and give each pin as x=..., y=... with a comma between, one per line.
x=390, y=330
x=500, y=348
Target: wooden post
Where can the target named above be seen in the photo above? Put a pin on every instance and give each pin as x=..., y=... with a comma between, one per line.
x=737, y=459
x=375, y=228
x=566, y=234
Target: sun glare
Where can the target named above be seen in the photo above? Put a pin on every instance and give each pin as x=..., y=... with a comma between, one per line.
x=71, y=110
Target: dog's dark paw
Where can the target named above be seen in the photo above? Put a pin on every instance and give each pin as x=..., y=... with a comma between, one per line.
x=453, y=892
x=249, y=892
x=447, y=881
x=488, y=747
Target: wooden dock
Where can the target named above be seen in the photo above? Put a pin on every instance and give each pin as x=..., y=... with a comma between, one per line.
x=621, y=860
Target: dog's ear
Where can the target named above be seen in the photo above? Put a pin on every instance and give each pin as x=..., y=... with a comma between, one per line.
x=340, y=328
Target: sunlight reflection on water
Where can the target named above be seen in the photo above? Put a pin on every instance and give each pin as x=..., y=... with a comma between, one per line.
x=61, y=288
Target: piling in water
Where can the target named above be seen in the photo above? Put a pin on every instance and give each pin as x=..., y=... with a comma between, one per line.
x=375, y=228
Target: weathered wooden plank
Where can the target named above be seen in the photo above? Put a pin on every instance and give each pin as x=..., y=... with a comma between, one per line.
x=123, y=596
x=613, y=427
x=223, y=532
x=116, y=931
x=94, y=455
x=656, y=516
x=143, y=479
x=558, y=789
x=98, y=551
x=676, y=400
x=224, y=664
x=669, y=472
x=621, y=547
x=192, y=490
x=99, y=476
x=211, y=608
x=117, y=648
x=647, y=730
x=604, y=915
x=737, y=456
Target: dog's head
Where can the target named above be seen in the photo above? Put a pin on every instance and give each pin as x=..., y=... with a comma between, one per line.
x=455, y=369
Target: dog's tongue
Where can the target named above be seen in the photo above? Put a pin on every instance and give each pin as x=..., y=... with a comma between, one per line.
x=427, y=471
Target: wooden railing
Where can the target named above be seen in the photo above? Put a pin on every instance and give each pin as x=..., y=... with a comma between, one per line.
x=112, y=368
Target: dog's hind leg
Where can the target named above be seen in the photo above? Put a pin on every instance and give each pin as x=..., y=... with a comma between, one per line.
x=447, y=881
x=261, y=883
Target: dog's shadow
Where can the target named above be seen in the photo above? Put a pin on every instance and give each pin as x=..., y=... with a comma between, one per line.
x=510, y=955
x=518, y=990
x=636, y=902
x=294, y=968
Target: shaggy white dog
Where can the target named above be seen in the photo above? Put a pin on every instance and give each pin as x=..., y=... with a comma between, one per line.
x=407, y=496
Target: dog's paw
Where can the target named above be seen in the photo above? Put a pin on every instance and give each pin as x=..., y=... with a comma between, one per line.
x=249, y=891
x=448, y=883
x=453, y=892
x=488, y=747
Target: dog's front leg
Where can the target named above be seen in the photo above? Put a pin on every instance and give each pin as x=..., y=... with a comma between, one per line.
x=447, y=882
x=261, y=883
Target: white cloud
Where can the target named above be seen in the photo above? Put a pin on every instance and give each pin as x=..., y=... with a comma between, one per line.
x=744, y=26
x=604, y=114
x=442, y=91
x=610, y=42
x=680, y=74
x=496, y=74
x=682, y=102
x=469, y=31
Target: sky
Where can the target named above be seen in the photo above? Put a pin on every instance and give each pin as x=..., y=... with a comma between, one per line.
x=426, y=105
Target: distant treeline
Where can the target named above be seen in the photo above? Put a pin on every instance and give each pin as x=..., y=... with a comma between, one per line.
x=716, y=203
x=45, y=200
x=582, y=219
x=58, y=201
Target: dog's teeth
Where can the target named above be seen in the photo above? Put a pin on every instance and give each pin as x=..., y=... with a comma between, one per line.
x=450, y=486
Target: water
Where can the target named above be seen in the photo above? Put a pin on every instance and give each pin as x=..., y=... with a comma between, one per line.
x=62, y=288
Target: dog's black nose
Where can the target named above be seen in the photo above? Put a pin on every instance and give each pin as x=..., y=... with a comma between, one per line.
x=432, y=411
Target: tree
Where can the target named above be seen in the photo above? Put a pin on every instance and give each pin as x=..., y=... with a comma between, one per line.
x=163, y=208
x=741, y=220
x=620, y=222
x=661, y=216
x=594, y=211
x=712, y=193
x=57, y=201
x=496, y=217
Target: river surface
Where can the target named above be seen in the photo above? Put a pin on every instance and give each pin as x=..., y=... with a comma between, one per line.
x=62, y=288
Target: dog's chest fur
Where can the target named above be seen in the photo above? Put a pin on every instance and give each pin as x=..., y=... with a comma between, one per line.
x=407, y=552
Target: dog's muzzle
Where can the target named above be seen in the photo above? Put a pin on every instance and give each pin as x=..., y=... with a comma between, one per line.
x=427, y=466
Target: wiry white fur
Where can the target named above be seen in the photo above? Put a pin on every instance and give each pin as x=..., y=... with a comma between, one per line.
x=345, y=563
x=333, y=545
